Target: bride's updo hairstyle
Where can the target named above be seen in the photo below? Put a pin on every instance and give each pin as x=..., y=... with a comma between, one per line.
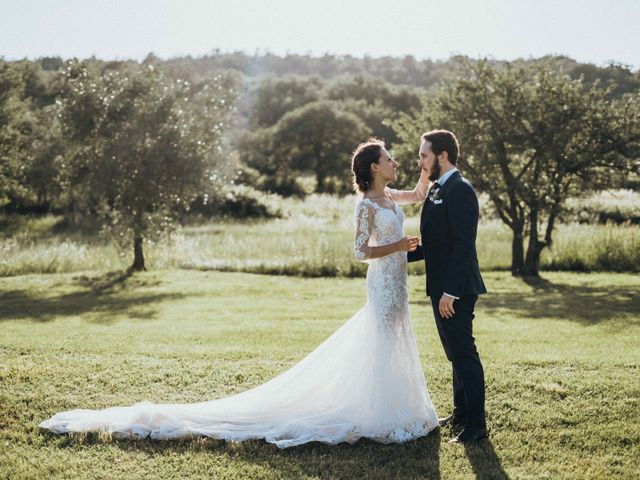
x=363, y=156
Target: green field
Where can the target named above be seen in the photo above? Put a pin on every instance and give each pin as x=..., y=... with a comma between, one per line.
x=561, y=360
x=314, y=238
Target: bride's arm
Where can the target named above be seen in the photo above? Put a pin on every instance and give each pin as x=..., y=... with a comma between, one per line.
x=363, y=251
x=418, y=194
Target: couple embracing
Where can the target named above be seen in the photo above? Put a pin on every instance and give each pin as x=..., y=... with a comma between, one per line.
x=366, y=379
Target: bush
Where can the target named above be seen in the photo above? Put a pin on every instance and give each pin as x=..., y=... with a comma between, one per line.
x=238, y=201
x=591, y=248
x=613, y=206
x=287, y=186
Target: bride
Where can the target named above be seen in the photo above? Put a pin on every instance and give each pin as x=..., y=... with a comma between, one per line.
x=365, y=380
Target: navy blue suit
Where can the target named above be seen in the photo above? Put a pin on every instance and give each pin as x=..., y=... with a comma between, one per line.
x=448, y=227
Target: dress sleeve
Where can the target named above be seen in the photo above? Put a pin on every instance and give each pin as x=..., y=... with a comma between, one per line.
x=364, y=220
x=418, y=194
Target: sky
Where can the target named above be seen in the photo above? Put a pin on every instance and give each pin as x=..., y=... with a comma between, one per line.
x=594, y=31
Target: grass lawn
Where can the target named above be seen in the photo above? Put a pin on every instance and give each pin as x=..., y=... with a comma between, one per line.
x=561, y=358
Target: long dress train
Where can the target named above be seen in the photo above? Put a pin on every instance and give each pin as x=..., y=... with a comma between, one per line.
x=365, y=380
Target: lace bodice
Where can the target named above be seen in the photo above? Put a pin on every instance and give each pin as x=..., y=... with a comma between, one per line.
x=379, y=224
x=379, y=221
x=376, y=225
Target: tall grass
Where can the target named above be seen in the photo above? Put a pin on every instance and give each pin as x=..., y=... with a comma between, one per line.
x=595, y=248
x=314, y=238
x=617, y=206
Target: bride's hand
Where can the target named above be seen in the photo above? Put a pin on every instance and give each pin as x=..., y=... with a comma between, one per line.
x=408, y=244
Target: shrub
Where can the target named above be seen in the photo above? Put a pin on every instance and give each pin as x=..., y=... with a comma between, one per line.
x=238, y=201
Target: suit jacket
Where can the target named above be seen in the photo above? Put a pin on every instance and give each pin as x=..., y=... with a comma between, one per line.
x=448, y=227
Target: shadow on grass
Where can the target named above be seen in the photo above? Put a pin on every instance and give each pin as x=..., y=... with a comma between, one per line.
x=115, y=281
x=100, y=297
x=588, y=305
x=484, y=461
x=363, y=459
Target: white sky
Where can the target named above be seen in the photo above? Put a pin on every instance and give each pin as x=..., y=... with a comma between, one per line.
x=595, y=31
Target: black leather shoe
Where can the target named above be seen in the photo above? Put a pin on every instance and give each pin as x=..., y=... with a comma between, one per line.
x=470, y=435
x=455, y=421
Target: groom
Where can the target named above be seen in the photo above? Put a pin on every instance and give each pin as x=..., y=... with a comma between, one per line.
x=448, y=226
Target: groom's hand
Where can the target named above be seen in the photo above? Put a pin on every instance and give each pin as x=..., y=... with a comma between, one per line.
x=446, y=306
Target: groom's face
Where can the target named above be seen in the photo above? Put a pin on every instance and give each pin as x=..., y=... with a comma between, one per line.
x=428, y=161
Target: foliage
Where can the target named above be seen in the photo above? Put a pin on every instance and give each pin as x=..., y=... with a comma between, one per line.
x=316, y=139
x=277, y=96
x=237, y=201
x=426, y=74
x=34, y=164
x=144, y=145
x=375, y=101
x=22, y=92
x=616, y=79
x=279, y=155
x=529, y=140
x=609, y=206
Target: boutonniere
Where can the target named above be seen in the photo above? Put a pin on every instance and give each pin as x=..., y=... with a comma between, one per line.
x=433, y=195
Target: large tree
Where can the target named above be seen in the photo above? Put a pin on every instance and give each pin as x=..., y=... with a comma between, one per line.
x=376, y=102
x=274, y=97
x=315, y=139
x=16, y=125
x=144, y=145
x=530, y=139
x=291, y=116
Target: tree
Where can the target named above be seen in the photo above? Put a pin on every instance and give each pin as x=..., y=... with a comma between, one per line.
x=618, y=77
x=530, y=139
x=14, y=126
x=44, y=172
x=314, y=139
x=374, y=101
x=24, y=94
x=275, y=97
x=144, y=145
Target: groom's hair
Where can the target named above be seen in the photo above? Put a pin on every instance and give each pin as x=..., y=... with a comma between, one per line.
x=443, y=141
x=363, y=156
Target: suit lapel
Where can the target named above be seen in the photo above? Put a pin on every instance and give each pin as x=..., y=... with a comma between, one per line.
x=428, y=205
x=426, y=210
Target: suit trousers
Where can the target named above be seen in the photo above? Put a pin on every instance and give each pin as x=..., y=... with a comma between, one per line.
x=456, y=335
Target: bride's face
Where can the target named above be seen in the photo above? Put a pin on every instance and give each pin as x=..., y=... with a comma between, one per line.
x=386, y=167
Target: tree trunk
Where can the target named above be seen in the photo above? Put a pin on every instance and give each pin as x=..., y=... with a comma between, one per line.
x=532, y=260
x=517, y=253
x=320, y=182
x=138, y=255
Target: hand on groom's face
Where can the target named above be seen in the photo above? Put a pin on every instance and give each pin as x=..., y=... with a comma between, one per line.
x=424, y=175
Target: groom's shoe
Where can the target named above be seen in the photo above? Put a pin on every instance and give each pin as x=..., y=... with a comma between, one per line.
x=455, y=421
x=470, y=435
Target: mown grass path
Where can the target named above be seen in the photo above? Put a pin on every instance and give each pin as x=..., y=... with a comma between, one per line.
x=561, y=358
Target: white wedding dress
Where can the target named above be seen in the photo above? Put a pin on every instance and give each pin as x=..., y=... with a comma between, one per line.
x=365, y=380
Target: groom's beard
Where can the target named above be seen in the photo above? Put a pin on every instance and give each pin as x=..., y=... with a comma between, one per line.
x=435, y=171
